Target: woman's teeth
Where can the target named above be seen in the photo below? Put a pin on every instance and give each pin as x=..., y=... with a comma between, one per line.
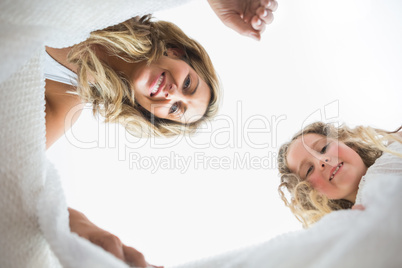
x=336, y=170
x=156, y=87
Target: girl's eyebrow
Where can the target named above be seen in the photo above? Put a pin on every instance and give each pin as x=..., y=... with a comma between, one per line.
x=313, y=145
x=302, y=163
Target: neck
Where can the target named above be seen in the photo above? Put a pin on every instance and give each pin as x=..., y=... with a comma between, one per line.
x=352, y=196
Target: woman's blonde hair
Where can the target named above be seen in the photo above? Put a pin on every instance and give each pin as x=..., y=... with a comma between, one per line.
x=307, y=204
x=136, y=40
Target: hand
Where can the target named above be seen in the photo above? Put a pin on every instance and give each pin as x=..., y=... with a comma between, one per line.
x=358, y=207
x=247, y=17
x=80, y=224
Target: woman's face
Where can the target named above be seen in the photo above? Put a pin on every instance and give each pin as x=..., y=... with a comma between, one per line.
x=169, y=88
x=332, y=168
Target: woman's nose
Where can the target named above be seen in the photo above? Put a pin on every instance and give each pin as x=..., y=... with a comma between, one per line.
x=171, y=92
x=167, y=91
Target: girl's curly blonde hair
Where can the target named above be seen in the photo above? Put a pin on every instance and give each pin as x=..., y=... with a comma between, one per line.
x=136, y=40
x=306, y=203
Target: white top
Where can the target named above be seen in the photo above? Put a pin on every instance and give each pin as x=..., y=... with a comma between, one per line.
x=58, y=72
x=386, y=164
x=358, y=200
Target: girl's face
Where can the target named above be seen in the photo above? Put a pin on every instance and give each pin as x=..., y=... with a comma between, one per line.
x=168, y=88
x=332, y=168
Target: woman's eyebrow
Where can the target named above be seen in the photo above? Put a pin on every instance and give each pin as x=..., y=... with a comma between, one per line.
x=196, y=87
x=184, y=110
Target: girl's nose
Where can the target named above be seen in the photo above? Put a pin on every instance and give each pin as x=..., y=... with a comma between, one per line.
x=323, y=160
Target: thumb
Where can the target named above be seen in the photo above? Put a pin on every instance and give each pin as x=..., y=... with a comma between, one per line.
x=235, y=22
x=358, y=207
x=134, y=257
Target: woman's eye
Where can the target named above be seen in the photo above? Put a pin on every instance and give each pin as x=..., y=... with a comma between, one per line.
x=187, y=82
x=174, y=108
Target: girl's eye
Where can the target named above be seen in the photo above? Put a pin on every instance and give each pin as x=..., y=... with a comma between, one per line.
x=309, y=170
x=174, y=108
x=324, y=149
x=187, y=82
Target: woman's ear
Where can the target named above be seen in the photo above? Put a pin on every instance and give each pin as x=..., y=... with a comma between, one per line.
x=175, y=53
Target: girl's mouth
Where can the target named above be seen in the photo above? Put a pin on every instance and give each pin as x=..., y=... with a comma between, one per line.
x=335, y=170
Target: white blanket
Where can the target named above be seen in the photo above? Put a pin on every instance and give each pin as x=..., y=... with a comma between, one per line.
x=34, y=219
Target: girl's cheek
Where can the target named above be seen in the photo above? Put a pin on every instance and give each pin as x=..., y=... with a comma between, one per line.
x=313, y=181
x=317, y=182
x=343, y=149
x=334, y=150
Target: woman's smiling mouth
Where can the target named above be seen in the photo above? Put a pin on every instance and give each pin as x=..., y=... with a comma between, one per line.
x=157, y=85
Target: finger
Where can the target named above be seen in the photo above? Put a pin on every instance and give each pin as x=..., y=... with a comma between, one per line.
x=239, y=25
x=265, y=15
x=258, y=24
x=270, y=4
x=133, y=257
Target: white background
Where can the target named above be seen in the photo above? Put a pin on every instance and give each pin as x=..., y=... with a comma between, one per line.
x=319, y=60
